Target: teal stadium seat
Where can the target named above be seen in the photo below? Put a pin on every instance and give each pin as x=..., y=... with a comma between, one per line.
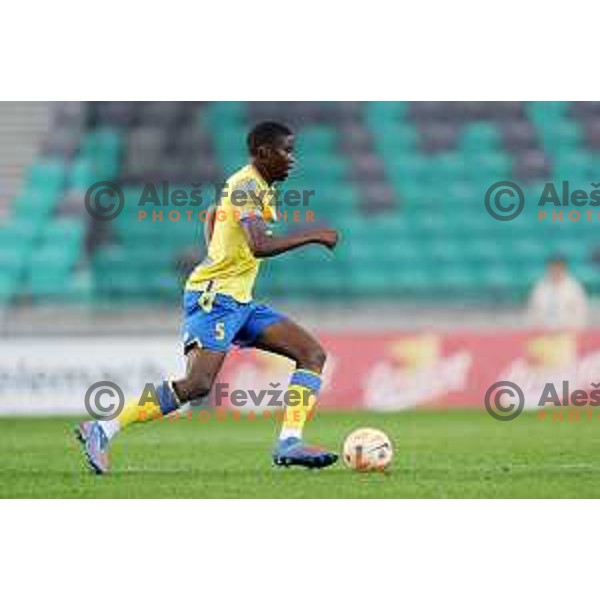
x=430, y=237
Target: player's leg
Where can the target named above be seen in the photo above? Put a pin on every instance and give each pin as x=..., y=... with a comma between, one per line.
x=269, y=331
x=209, y=326
x=288, y=339
x=203, y=367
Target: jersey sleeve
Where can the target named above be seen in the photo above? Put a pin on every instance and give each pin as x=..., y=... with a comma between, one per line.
x=245, y=197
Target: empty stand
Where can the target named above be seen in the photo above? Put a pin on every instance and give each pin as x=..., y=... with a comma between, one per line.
x=404, y=182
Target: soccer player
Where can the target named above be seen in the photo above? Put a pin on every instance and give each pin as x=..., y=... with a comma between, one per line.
x=219, y=310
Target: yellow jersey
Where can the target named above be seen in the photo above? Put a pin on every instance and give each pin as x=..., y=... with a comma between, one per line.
x=230, y=267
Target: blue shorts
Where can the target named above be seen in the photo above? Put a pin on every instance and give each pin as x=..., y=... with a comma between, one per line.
x=216, y=321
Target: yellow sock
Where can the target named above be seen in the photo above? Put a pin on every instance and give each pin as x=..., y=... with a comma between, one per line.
x=136, y=412
x=153, y=403
x=303, y=389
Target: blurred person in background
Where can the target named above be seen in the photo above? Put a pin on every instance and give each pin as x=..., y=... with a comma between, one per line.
x=558, y=301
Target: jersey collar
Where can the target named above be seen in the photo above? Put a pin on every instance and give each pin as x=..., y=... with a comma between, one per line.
x=258, y=175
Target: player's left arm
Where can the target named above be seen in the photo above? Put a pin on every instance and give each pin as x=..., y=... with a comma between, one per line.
x=264, y=245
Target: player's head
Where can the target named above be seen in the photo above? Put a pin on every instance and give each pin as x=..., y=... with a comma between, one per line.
x=557, y=267
x=271, y=147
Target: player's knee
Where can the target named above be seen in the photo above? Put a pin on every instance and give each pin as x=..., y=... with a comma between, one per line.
x=313, y=358
x=201, y=388
x=193, y=388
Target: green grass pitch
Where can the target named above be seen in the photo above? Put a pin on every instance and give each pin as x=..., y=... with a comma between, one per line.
x=455, y=454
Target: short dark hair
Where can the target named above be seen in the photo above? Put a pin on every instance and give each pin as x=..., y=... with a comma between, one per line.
x=266, y=133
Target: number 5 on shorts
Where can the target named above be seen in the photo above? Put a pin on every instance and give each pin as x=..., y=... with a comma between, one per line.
x=220, y=331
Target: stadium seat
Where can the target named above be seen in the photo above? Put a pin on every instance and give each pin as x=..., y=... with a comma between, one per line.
x=8, y=286
x=47, y=175
x=404, y=182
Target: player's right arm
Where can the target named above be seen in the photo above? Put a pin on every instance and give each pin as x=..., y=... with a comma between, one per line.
x=209, y=225
x=264, y=245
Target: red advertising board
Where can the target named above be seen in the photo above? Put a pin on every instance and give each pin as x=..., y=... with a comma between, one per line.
x=430, y=369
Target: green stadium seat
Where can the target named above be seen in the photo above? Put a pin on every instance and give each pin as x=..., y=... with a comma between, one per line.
x=101, y=142
x=406, y=167
x=316, y=141
x=435, y=241
x=47, y=175
x=64, y=230
x=371, y=282
x=496, y=278
x=560, y=135
x=493, y=164
x=323, y=168
x=446, y=169
x=8, y=286
x=543, y=113
x=222, y=114
x=479, y=137
x=396, y=138
x=589, y=275
x=34, y=204
x=82, y=174
x=415, y=281
x=575, y=166
x=443, y=251
x=382, y=114
x=23, y=229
